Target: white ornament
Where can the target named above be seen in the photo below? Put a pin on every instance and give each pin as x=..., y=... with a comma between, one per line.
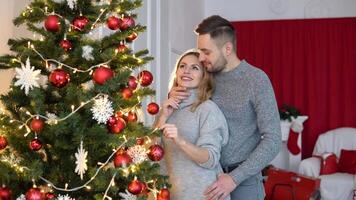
x=87, y=52
x=66, y=197
x=127, y=195
x=81, y=161
x=72, y=3
x=12, y=159
x=100, y=3
x=51, y=67
x=138, y=154
x=102, y=109
x=88, y=85
x=52, y=118
x=43, y=80
x=27, y=76
x=21, y=197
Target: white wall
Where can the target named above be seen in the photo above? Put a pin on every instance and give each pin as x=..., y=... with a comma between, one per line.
x=235, y=10
x=9, y=10
x=184, y=16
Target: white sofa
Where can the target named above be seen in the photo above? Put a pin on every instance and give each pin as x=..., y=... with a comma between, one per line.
x=337, y=186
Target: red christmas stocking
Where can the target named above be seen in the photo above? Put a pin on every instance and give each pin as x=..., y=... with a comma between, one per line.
x=292, y=143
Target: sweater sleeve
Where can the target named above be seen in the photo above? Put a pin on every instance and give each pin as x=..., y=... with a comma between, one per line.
x=268, y=124
x=213, y=133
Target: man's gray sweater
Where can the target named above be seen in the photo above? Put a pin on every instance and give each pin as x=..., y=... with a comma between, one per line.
x=246, y=97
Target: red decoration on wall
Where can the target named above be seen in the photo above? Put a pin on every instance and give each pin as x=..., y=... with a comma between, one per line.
x=311, y=66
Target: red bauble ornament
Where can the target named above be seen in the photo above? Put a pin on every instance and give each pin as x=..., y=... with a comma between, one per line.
x=140, y=141
x=144, y=191
x=3, y=142
x=102, y=74
x=135, y=187
x=50, y=195
x=52, y=23
x=59, y=78
x=35, y=194
x=145, y=78
x=152, y=108
x=132, y=116
x=132, y=83
x=122, y=48
x=126, y=23
x=114, y=23
x=79, y=23
x=5, y=193
x=66, y=45
x=163, y=194
x=35, y=144
x=156, y=152
x=37, y=125
x=122, y=159
x=126, y=93
x=120, y=114
x=116, y=124
x=131, y=37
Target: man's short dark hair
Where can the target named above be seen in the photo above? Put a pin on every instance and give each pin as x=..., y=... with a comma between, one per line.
x=219, y=29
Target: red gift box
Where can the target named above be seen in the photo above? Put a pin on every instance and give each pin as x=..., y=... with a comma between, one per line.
x=285, y=185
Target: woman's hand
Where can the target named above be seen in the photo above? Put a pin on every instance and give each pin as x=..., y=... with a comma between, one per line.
x=168, y=107
x=171, y=131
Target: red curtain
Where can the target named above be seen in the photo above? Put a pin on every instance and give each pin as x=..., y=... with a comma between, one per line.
x=312, y=66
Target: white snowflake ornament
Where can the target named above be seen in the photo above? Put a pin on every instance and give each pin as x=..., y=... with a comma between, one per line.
x=21, y=197
x=87, y=52
x=27, y=76
x=81, y=161
x=72, y=4
x=102, y=109
x=66, y=197
x=138, y=154
x=127, y=195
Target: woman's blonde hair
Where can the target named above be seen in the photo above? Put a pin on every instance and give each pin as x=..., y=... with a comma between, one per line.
x=206, y=85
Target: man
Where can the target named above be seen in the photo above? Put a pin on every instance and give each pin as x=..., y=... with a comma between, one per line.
x=245, y=95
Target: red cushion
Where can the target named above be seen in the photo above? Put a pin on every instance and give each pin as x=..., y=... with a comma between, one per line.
x=347, y=162
x=328, y=164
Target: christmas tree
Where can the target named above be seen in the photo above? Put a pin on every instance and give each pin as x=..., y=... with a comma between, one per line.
x=69, y=124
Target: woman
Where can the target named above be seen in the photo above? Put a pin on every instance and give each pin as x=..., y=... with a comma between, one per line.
x=194, y=131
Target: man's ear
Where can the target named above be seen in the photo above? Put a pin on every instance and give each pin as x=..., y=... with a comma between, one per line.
x=228, y=48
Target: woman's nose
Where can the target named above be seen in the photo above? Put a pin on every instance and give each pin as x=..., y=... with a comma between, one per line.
x=186, y=69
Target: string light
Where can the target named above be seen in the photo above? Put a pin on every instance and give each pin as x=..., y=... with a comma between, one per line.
x=60, y=64
x=98, y=18
x=90, y=180
x=112, y=183
x=90, y=70
x=52, y=121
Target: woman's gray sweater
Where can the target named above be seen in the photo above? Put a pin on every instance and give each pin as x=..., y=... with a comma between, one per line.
x=206, y=127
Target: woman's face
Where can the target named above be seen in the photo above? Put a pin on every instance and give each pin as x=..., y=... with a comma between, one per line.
x=189, y=72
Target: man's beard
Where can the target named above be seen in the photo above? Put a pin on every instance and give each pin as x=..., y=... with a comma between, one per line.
x=218, y=66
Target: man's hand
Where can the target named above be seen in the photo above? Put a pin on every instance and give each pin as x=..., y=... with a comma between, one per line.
x=221, y=188
x=179, y=93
